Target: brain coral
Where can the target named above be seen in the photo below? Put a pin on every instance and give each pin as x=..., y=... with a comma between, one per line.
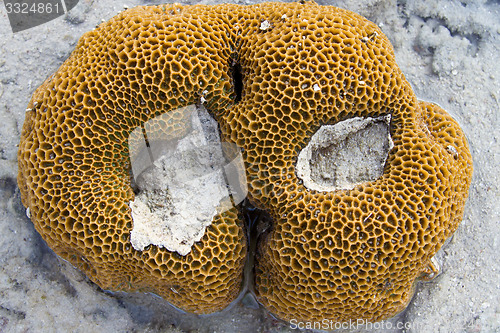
x=272, y=75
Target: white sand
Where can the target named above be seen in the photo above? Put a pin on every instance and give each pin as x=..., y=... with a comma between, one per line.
x=448, y=50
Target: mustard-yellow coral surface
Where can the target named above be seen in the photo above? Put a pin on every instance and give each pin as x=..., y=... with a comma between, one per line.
x=272, y=75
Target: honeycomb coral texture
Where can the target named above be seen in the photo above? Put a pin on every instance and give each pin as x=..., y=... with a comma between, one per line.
x=338, y=255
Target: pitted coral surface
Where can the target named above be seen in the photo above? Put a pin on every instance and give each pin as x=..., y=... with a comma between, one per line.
x=338, y=255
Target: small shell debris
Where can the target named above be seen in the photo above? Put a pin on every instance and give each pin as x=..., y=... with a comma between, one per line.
x=265, y=25
x=203, y=94
x=453, y=151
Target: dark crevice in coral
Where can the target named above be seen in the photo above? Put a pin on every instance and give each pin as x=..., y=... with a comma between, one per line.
x=257, y=224
x=237, y=81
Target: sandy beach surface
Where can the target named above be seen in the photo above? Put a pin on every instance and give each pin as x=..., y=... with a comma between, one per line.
x=450, y=53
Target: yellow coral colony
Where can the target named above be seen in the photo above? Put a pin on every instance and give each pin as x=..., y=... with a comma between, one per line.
x=340, y=252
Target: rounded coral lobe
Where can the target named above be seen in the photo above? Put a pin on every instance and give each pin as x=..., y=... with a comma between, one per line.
x=303, y=91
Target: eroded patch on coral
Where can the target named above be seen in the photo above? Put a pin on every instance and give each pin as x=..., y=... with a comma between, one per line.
x=344, y=155
x=182, y=191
